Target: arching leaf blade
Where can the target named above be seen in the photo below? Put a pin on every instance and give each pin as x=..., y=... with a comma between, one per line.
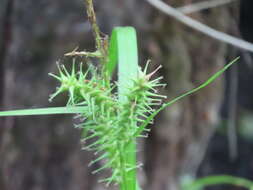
x=44, y=111
x=206, y=83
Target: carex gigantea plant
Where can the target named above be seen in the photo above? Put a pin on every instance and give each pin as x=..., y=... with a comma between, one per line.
x=114, y=123
x=113, y=114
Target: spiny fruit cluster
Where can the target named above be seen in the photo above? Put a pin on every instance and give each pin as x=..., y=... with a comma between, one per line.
x=110, y=122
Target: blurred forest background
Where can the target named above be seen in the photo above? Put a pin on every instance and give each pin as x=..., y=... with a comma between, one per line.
x=208, y=133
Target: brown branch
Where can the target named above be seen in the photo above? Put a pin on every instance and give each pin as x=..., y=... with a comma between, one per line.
x=84, y=54
x=221, y=36
x=95, y=29
x=101, y=42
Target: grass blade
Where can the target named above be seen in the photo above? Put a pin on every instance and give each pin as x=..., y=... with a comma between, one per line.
x=209, y=80
x=219, y=180
x=123, y=50
x=44, y=111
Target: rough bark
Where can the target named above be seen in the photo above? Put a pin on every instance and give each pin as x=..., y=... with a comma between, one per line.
x=41, y=152
x=5, y=30
x=182, y=132
x=44, y=152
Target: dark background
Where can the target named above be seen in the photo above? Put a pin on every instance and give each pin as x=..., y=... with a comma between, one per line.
x=189, y=139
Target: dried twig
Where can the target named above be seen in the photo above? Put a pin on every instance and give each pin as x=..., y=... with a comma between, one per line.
x=201, y=27
x=195, y=7
x=101, y=42
x=93, y=21
x=84, y=53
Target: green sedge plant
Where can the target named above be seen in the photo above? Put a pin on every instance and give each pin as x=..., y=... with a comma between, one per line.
x=114, y=119
x=113, y=114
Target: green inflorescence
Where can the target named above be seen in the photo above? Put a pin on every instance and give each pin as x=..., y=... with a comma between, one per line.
x=110, y=122
x=111, y=119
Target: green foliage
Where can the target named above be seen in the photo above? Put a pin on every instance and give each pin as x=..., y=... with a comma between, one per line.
x=44, y=111
x=112, y=119
x=123, y=52
x=199, y=184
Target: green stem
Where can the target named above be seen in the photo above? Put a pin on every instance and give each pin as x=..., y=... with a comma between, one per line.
x=45, y=111
x=93, y=21
x=127, y=69
x=123, y=183
x=101, y=43
x=123, y=51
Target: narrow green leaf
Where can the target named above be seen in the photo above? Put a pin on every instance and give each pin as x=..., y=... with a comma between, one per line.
x=123, y=50
x=209, y=80
x=113, y=54
x=218, y=180
x=44, y=111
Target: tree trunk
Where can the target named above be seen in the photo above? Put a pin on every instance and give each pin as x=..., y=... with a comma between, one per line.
x=182, y=131
x=44, y=152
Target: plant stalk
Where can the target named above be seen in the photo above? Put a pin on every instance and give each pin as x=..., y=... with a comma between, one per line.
x=101, y=43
